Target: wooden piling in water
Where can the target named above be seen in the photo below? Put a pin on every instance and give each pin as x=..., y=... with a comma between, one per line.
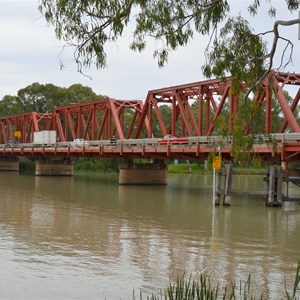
x=227, y=185
x=224, y=192
x=217, y=195
x=274, y=179
x=279, y=173
x=274, y=186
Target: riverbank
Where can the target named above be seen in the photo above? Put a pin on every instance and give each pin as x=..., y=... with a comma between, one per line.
x=107, y=166
x=199, y=169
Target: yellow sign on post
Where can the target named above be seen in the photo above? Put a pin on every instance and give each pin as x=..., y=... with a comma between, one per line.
x=217, y=163
x=17, y=134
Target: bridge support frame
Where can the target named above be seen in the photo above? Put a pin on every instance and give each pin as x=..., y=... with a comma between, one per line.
x=131, y=173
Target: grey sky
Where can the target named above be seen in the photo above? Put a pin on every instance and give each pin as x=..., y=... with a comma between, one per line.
x=30, y=53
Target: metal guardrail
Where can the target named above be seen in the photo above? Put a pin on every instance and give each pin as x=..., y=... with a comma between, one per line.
x=196, y=140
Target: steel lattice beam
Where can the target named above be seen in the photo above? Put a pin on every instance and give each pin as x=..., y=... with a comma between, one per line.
x=96, y=120
x=26, y=124
x=214, y=98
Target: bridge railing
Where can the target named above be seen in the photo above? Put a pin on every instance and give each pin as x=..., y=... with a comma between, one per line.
x=200, y=141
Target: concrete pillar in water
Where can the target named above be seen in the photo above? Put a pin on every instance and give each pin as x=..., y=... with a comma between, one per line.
x=228, y=184
x=54, y=167
x=143, y=173
x=9, y=163
x=218, y=178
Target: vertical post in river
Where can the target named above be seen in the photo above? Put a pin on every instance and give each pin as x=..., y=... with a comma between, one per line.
x=279, y=175
x=271, y=185
x=227, y=184
x=217, y=195
x=274, y=190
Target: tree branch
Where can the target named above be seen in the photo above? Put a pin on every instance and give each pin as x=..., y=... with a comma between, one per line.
x=272, y=52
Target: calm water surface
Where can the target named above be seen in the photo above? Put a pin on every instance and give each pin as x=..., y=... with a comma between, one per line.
x=86, y=237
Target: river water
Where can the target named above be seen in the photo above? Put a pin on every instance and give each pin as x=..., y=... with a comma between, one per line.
x=86, y=237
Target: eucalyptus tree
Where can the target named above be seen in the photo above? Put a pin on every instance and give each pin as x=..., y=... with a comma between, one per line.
x=10, y=105
x=79, y=93
x=234, y=48
x=41, y=97
x=44, y=97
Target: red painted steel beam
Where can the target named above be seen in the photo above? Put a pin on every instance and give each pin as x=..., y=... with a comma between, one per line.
x=290, y=118
x=216, y=93
x=179, y=98
x=95, y=119
x=293, y=107
x=26, y=124
x=219, y=109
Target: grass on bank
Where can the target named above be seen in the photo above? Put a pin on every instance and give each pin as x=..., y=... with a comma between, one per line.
x=187, y=168
x=200, y=169
x=202, y=289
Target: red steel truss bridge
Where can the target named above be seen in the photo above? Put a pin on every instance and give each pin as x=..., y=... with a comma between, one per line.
x=194, y=111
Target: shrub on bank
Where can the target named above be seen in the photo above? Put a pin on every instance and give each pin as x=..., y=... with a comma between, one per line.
x=95, y=165
x=202, y=289
x=27, y=165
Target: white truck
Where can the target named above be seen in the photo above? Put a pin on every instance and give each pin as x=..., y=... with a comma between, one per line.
x=44, y=137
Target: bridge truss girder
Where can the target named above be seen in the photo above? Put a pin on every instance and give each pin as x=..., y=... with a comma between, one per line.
x=212, y=99
x=26, y=124
x=96, y=120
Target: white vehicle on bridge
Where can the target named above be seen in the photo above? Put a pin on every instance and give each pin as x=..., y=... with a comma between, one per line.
x=80, y=143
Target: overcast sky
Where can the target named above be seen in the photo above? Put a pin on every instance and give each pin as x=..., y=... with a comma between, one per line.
x=29, y=53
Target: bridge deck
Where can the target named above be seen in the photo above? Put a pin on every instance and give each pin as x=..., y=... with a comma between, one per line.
x=283, y=147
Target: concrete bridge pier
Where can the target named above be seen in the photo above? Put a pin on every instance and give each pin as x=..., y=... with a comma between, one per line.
x=9, y=163
x=48, y=167
x=274, y=183
x=143, y=173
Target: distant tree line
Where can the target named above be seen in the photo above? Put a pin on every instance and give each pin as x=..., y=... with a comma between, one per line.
x=44, y=97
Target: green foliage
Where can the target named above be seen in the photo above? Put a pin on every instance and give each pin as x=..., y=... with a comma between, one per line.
x=248, y=128
x=226, y=56
x=40, y=98
x=10, y=106
x=294, y=294
x=88, y=25
x=96, y=165
x=202, y=288
x=77, y=93
x=27, y=165
x=194, y=168
x=44, y=97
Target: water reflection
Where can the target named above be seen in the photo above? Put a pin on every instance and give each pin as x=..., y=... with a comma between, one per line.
x=87, y=237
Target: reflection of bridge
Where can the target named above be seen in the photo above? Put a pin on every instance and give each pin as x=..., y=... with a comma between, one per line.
x=193, y=112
